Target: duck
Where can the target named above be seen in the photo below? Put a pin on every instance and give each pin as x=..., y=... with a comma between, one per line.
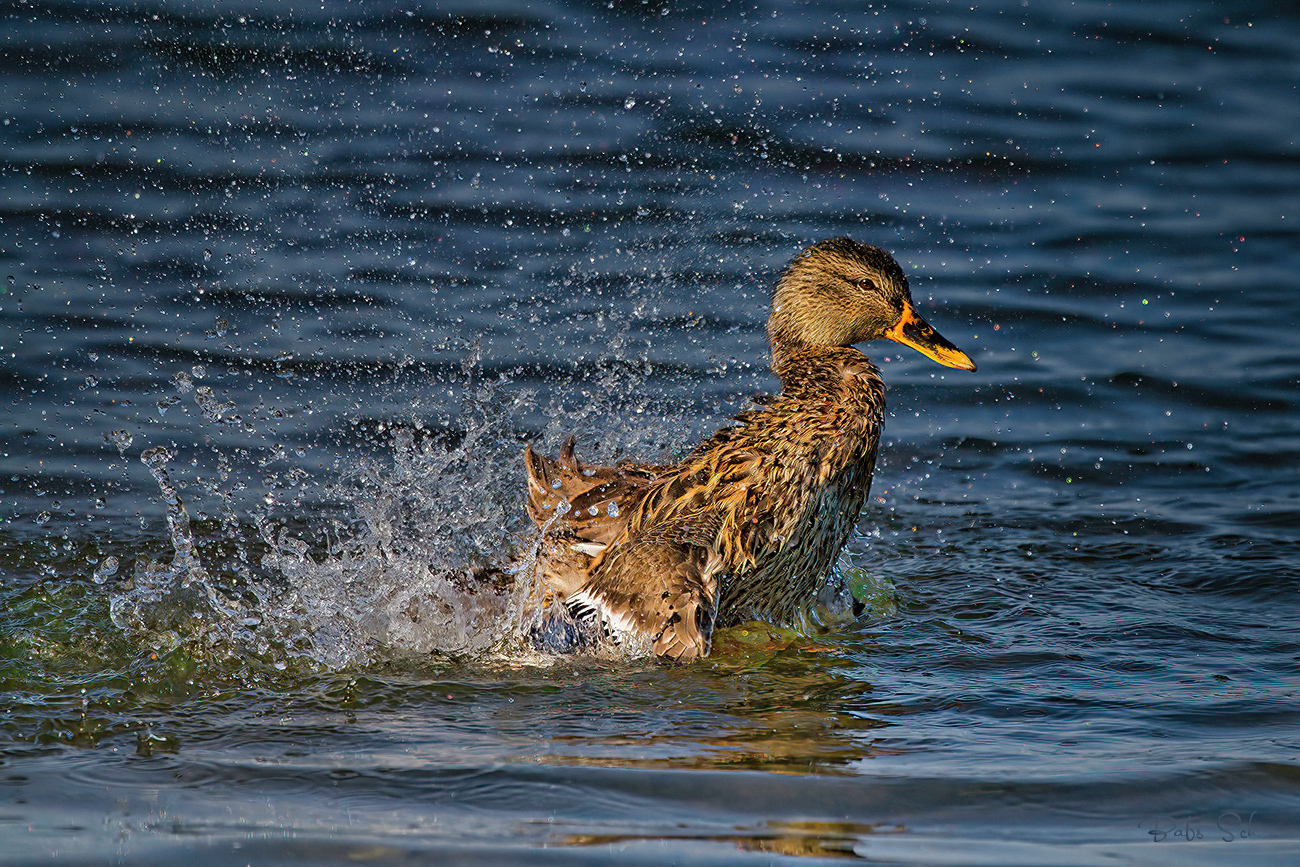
x=750, y=523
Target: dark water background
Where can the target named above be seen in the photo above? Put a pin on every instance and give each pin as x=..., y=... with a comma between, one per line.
x=342, y=260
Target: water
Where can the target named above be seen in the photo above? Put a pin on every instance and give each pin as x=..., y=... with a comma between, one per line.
x=329, y=269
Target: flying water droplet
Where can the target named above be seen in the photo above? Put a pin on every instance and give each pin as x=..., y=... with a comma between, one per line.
x=106, y=570
x=121, y=439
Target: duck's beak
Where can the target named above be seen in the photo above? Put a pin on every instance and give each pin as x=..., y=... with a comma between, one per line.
x=911, y=330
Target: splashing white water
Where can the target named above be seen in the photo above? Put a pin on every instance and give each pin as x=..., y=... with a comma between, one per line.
x=425, y=570
x=435, y=555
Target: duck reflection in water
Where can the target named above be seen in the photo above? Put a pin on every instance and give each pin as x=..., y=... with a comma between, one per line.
x=747, y=526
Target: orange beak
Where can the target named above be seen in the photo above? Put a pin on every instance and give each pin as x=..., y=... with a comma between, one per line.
x=911, y=330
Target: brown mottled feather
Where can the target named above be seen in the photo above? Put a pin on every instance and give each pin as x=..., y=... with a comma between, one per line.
x=588, y=491
x=676, y=611
x=750, y=523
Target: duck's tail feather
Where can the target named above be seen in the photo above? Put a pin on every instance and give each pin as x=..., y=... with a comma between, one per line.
x=592, y=502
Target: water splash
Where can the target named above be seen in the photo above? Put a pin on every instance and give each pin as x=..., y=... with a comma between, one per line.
x=433, y=552
x=423, y=570
x=160, y=592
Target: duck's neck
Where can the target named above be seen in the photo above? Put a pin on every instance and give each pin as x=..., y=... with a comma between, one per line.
x=786, y=352
x=793, y=361
x=783, y=350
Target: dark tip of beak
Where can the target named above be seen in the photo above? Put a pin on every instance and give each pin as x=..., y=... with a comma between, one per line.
x=911, y=330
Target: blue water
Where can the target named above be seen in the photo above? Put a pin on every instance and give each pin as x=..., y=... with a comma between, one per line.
x=342, y=261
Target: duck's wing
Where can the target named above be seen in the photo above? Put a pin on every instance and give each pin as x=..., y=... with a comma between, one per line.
x=664, y=592
x=599, y=498
x=720, y=499
x=564, y=563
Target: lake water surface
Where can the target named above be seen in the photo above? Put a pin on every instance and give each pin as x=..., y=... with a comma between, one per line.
x=286, y=288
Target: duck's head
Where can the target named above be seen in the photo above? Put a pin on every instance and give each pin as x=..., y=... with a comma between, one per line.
x=841, y=292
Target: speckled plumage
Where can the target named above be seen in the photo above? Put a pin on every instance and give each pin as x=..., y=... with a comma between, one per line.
x=751, y=522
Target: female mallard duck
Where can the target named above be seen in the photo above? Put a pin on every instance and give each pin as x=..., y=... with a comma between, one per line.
x=750, y=523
